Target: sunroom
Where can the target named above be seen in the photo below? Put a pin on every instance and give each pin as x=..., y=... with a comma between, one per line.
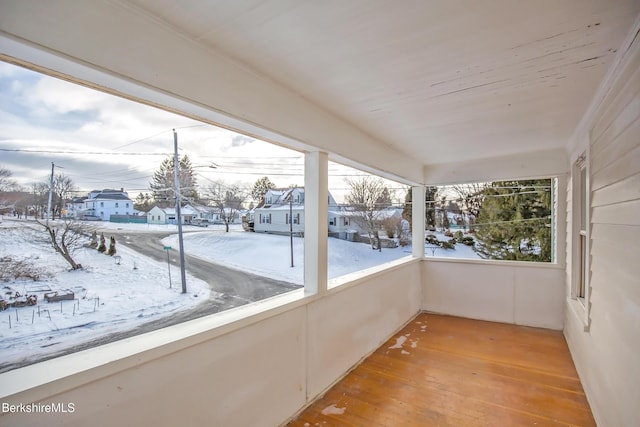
x=424, y=93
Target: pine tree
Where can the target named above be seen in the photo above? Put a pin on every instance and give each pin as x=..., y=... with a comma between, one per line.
x=384, y=201
x=143, y=202
x=102, y=246
x=163, y=182
x=94, y=240
x=260, y=188
x=430, y=201
x=112, y=246
x=407, y=212
x=514, y=221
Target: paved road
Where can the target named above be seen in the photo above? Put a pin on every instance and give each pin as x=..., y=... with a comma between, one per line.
x=230, y=288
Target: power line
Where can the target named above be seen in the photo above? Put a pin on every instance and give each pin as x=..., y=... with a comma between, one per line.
x=21, y=150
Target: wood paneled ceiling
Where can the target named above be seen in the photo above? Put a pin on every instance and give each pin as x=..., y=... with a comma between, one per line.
x=439, y=80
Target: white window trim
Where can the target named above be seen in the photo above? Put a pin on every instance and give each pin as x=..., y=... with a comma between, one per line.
x=556, y=246
x=581, y=267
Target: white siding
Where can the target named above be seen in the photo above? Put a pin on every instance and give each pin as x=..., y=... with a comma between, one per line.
x=606, y=353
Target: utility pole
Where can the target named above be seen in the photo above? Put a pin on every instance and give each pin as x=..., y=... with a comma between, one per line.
x=291, y=224
x=50, y=194
x=176, y=178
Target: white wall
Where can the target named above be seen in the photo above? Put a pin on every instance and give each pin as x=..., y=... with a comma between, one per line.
x=509, y=292
x=255, y=372
x=606, y=348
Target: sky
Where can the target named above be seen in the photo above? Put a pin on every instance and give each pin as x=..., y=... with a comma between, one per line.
x=103, y=141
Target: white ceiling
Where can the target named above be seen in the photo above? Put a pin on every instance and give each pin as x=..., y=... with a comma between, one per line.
x=439, y=80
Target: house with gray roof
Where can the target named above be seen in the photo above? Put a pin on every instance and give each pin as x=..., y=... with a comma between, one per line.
x=101, y=205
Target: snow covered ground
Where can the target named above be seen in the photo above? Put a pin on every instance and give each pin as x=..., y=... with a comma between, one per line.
x=115, y=297
x=109, y=297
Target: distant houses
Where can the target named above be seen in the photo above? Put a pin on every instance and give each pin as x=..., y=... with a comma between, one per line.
x=283, y=212
x=189, y=214
x=101, y=205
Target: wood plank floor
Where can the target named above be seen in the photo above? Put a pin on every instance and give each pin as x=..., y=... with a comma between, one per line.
x=449, y=371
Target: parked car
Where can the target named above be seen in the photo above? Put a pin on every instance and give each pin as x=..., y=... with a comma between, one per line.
x=200, y=222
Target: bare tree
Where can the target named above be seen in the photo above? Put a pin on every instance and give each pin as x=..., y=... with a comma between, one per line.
x=470, y=197
x=6, y=183
x=39, y=190
x=66, y=237
x=228, y=198
x=366, y=199
x=63, y=186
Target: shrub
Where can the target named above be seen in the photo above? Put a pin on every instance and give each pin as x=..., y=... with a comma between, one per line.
x=467, y=240
x=450, y=244
x=13, y=269
x=432, y=239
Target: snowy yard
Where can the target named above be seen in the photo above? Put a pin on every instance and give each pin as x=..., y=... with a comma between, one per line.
x=109, y=297
x=112, y=297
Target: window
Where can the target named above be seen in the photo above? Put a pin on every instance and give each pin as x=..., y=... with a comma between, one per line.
x=581, y=222
x=265, y=218
x=241, y=162
x=499, y=220
x=365, y=216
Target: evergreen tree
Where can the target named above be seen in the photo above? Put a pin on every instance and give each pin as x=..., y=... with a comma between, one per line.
x=260, y=188
x=384, y=201
x=407, y=212
x=514, y=221
x=102, y=246
x=112, y=246
x=162, y=185
x=143, y=202
x=94, y=240
x=430, y=200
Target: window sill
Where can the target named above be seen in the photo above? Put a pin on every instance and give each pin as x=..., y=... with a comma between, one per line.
x=579, y=310
x=532, y=264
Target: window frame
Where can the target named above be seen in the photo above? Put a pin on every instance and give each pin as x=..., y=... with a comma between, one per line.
x=555, y=206
x=581, y=236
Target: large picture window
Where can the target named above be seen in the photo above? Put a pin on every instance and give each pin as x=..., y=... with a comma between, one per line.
x=499, y=220
x=369, y=221
x=74, y=277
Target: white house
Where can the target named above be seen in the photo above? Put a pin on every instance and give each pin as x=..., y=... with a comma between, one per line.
x=283, y=210
x=101, y=204
x=158, y=215
x=345, y=219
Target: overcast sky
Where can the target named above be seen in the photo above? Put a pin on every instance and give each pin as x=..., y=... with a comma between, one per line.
x=102, y=141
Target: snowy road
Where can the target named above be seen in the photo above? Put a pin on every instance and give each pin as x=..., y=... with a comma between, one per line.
x=235, y=286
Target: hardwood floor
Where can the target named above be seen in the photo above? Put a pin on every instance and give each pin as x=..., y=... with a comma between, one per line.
x=449, y=371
